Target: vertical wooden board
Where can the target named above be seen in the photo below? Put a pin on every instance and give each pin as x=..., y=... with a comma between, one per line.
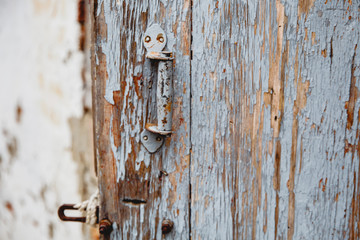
x=275, y=120
x=134, y=195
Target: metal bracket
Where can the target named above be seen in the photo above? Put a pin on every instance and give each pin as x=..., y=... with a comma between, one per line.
x=151, y=141
x=154, y=42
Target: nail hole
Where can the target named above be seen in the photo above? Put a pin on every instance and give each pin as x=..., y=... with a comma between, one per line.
x=160, y=38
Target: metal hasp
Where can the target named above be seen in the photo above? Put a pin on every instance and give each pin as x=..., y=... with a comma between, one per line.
x=154, y=42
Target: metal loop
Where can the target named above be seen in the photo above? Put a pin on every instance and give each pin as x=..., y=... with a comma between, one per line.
x=63, y=217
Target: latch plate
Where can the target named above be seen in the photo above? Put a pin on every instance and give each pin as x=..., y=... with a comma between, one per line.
x=155, y=38
x=151, y=141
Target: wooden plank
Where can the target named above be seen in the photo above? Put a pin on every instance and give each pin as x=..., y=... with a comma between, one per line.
x=275, y=120
x=133, y=192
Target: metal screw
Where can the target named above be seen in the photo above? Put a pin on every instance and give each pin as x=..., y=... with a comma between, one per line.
x=105, y=226
x=145, y=138
x=147, y=39
x=161, y=39
x=166, y=226
x=158, y=139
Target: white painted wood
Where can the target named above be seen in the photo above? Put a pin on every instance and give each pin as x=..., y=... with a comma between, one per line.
x=41, y=100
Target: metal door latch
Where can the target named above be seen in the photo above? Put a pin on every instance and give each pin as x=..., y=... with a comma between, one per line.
x=153, y=135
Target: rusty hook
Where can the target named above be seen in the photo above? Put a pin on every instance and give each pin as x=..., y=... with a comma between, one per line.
x=63, y=217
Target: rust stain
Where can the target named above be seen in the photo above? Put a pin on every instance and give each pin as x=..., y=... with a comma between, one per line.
x=276, y=81
x=9, y=207
x=304, y=6
x=81, y=20
x=117, y=128
x=354, y=93
x=323, y=53
x=277, y=177
x=313, y=38
x=138, y=82
x=185, y=40
x=102, y=31
x=322, y=184
x=168, y=106
x=276, y=181
x=350, y=148
x=354, y=219
x=275, y=97
x=18, y=113
x=337, y=197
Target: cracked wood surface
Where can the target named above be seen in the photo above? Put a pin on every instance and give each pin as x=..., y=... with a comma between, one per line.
x=274, y=119
x=134, y=193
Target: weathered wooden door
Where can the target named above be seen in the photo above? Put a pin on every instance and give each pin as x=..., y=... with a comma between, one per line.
x=266, y=119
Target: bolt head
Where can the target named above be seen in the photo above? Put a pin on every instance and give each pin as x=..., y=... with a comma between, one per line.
x=166, y=226
x=105, y=226
x=145, y=138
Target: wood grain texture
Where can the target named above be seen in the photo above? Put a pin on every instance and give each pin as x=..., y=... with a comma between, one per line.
x=134, y=195
x=275, y=120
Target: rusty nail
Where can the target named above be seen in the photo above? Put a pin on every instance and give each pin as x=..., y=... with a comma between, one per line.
x=166, y=226
x=105, y=226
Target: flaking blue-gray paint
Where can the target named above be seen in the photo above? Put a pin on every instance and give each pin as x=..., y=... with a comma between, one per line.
x=122, y=67
x=273, y=153
x=238, y=62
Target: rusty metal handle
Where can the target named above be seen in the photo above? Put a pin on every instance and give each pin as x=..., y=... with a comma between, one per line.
x=164, y=94
x=63, y=217
x=164, y=99
x=153, y=135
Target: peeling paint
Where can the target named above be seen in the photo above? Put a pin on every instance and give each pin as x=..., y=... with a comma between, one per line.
x=128, y=82
x=267, y=154
x=274, y=119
